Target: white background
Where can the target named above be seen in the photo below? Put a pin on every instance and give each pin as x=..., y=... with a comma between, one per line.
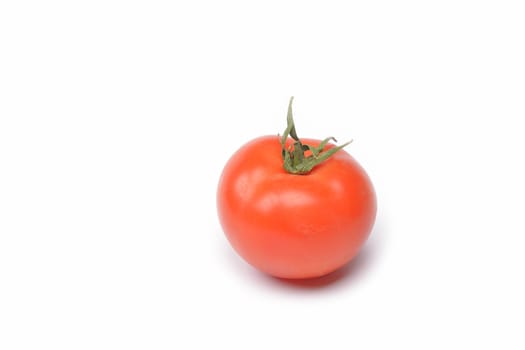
x=116, y=118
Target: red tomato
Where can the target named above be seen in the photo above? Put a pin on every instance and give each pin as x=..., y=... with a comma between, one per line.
x=294, y=225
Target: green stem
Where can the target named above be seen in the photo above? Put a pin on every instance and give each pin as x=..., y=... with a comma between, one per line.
x=294, y=159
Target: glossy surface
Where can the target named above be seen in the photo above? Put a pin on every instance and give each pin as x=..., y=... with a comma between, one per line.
x=294, y=226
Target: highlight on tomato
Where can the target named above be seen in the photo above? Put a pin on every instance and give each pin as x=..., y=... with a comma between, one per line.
x=295, y=208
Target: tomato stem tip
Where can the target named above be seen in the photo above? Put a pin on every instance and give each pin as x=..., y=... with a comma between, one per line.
x=294, y=159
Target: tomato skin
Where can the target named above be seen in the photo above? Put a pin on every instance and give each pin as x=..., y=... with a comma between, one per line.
x=294, y=226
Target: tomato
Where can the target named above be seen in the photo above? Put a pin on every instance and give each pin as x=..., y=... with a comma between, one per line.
x=295, y=225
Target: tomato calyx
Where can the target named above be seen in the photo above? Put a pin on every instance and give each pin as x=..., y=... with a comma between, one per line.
x=294, y=159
